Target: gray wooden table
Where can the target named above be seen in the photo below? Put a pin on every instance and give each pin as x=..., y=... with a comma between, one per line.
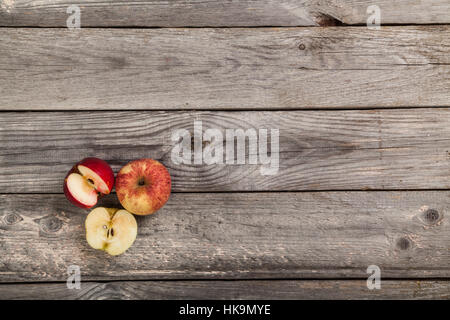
x=364, y=146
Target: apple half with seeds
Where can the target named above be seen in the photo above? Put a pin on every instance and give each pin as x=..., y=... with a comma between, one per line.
x=88, y=179
x=111, y=230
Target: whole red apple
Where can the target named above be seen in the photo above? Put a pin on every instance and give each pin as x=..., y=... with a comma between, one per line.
x=143, y=186
x=86, y=180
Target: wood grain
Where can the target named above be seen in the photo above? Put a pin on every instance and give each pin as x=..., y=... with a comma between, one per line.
x=318, y=150
x=181, y=13
x=230, y=290
x=236, y=236
x=256, y=68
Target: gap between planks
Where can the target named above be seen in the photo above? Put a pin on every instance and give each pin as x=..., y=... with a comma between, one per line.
x=306, y=109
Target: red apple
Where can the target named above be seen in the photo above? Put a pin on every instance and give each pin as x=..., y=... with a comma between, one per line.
x=86, y=180
x=143, y=186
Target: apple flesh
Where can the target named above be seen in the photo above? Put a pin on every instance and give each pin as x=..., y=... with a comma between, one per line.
x=111, y=230
x=86, y=180
x=143, y=186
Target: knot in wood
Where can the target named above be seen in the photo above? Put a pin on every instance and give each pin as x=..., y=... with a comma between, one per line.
x=51, y=224
x=12, y=218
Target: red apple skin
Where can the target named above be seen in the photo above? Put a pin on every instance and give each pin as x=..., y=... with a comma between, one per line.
x=143, y=186
x=101, y=168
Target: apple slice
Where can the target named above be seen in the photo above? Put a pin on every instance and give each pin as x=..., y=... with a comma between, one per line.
x=79, y=191
x=87, y=179
x=111, y=230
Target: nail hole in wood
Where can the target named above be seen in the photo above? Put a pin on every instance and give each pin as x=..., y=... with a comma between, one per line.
x=301, y=46
x=431, y=215
x=403, y=243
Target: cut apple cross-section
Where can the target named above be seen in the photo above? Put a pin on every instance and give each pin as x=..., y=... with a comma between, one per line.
x=87, y=179
x=111, y=230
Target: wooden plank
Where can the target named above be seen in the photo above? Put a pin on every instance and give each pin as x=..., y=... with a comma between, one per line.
x=318, y=150
x=256, y=68
x=180, y=13
x=230, y=290
x=236, y=235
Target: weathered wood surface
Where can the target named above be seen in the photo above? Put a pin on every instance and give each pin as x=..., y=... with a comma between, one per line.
x=230, y=290
x=318, y=150
x=236, y=235
x=181, y=13
x=256, y=68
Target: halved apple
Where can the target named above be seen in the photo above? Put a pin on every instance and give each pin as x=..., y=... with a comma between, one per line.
x=111, y=230
x=86, y=180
